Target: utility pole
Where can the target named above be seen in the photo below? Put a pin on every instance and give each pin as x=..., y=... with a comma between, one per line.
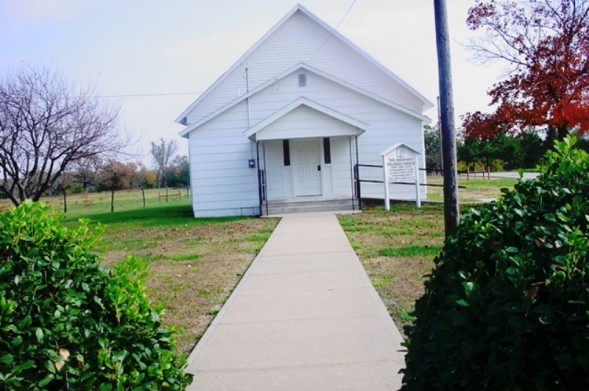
x=451, y=213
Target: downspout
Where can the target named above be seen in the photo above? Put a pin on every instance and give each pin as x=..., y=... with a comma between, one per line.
x=254, y=153
x=260, y=173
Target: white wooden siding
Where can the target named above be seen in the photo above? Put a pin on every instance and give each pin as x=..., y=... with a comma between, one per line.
x=322, y=91
x=391, y=128
x=305, y=122
x=278, y=176
x=222, y=183
x=341, y=170
x=219, y=149
x=300, y=39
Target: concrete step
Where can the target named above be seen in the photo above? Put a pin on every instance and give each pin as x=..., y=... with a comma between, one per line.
x=306, y=206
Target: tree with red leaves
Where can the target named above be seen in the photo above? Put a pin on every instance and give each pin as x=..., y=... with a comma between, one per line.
x=546, y=43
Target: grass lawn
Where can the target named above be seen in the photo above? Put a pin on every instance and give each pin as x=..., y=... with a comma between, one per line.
x=476, y=189
x=397, y=248
x=194, y=264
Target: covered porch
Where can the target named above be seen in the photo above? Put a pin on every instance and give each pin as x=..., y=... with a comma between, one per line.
x=305, y=155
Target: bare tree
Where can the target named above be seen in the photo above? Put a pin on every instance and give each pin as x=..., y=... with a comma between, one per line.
x=162, y=153
x=46, y=124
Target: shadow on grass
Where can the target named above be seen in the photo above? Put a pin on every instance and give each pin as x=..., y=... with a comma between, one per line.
x=155, y=216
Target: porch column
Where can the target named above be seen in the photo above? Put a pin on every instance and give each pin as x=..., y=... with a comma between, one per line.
x=352, y=173
x=261, y=164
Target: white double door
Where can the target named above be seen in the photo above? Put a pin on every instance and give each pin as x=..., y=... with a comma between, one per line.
x=306, y=160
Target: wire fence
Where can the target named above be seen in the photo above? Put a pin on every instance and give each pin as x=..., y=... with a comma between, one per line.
x=81, y=204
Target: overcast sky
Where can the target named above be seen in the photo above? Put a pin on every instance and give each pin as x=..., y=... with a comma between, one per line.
x=153, y=58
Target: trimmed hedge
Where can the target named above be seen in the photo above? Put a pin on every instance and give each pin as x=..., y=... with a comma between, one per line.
x=68, y=323
x=507, y=304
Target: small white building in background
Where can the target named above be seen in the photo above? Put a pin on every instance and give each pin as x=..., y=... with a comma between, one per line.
x=291, y=119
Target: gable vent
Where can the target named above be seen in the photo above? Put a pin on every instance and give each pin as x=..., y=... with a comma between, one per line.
x=302, y=80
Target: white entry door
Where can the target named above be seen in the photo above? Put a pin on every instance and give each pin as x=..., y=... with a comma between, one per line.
x=306, y=158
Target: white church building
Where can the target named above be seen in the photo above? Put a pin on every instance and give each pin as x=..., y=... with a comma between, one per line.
x=285, y=128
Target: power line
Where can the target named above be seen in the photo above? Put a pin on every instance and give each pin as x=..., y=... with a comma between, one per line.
x=336, y=28
x=351, y=6
x=148, y=95
x=346, y=14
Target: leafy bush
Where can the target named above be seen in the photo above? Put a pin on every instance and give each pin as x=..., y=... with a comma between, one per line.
x=68, y=323
x=506, y=307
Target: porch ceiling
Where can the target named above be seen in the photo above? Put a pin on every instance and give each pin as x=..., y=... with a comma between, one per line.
x=305, y=118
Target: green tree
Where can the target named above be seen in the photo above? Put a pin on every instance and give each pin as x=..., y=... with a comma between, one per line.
x=116, y=175
x=468, y=151
x=433, y=148
x=178, y=174
x=532, y=149
x=510, y=151
x=507, y=149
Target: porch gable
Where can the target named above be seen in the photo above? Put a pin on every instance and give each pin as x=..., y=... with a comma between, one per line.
x=293, y=120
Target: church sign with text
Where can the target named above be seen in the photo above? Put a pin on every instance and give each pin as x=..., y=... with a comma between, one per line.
x=401, y=167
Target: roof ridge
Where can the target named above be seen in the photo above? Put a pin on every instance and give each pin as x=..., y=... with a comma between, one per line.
x=300, y=8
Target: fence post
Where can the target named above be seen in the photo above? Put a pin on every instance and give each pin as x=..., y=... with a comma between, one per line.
x=64, y=200
x=112, y=200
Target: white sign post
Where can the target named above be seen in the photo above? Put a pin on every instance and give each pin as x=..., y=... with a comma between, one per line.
x=401, y=165
x=387, y=197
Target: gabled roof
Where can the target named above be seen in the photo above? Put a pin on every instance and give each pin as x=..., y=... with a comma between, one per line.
x=299, y=8
x=288, y=72
x=302, y=101
x=397, y=146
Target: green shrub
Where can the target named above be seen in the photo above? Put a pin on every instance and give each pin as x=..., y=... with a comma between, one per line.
x=506, y=307
x=68, y=323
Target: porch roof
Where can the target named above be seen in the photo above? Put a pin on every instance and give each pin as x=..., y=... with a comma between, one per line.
x=271, y=129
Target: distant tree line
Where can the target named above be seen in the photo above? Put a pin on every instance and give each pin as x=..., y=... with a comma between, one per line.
x=501, y=151
x=96, y=175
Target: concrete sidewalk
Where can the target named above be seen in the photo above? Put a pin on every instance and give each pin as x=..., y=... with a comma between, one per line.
x=304, y=317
